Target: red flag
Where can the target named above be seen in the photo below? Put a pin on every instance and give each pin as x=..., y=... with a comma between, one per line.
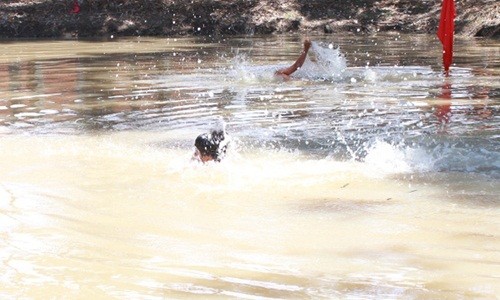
x=445, y=31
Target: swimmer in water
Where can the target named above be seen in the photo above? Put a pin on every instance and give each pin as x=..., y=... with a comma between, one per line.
x=211, y=146
x=286, y=72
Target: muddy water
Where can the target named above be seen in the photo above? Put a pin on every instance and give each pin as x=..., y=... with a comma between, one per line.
x=369, y=175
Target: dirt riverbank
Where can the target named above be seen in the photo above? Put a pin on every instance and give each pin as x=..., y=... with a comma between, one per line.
x=53, y=18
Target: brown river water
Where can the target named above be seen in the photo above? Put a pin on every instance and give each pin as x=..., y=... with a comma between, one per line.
x=369, y=175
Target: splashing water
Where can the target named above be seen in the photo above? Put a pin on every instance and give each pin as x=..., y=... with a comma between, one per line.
x=341, y=188
x=323, y=62
x=243, y=70
x=384, y=157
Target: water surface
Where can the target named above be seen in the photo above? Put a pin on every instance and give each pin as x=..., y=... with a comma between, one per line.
x=369, y=175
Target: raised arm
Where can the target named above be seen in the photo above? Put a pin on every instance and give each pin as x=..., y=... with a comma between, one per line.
x=298, y=63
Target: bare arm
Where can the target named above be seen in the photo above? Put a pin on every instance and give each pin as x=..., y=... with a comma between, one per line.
x=298, y=63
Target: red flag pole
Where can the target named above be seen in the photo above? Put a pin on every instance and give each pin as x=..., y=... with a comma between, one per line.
x=445, y=32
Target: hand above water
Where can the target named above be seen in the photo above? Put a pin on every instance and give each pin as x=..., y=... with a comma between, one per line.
x=307, y=44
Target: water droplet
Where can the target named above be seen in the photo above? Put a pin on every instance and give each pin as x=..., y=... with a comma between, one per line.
x=330, y=46
x=17, y=105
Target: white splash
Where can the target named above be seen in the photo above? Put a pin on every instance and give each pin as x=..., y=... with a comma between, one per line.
x=370, y=75
x=219, y=125
x=325, y=62
x=322, y=62
x=384, y=159
x=243, y=70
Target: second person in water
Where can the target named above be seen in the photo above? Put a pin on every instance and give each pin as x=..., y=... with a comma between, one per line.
x=286, y=72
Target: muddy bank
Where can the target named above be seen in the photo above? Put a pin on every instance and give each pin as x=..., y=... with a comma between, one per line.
x=53, y=18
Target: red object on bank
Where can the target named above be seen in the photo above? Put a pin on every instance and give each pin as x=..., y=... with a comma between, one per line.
x=76, y=7
x=445, y=31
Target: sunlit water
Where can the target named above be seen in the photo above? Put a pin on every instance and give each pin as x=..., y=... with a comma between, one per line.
x=368, y=175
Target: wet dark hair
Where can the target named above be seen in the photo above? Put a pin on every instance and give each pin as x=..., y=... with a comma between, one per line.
x=212, y=144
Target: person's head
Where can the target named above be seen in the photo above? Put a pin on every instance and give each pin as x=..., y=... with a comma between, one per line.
x=211, y=146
